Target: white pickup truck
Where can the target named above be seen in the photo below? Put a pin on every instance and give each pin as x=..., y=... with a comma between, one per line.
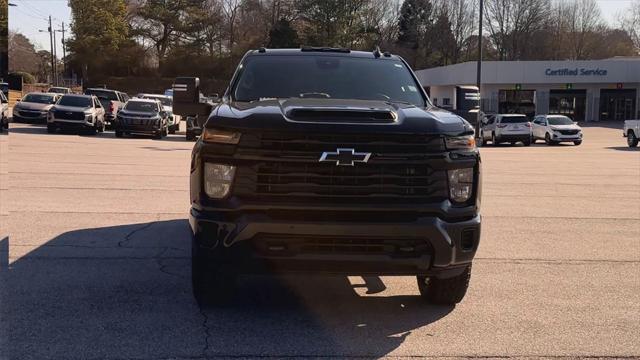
x=632, y=132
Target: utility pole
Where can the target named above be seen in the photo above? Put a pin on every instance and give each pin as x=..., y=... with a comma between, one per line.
x=479, y=74
x=53, y=63
x=64, y=50
x=55, y=57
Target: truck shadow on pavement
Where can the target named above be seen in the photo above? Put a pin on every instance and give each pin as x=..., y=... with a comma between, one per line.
x=125, y=292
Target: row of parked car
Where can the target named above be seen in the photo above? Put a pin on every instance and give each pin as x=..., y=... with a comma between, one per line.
x=514, y=128
x=97, y=109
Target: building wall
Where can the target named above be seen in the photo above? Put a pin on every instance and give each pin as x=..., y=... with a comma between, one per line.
x=541, y=76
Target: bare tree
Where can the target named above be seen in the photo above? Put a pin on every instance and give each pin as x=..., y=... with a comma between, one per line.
x=584, y=19
x=462, y=17
x=630, y=22
x=512, y=23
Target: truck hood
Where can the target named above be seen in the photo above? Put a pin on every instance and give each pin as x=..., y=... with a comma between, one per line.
x=331, y=115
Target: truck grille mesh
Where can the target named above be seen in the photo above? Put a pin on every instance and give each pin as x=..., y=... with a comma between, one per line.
x=287, y=166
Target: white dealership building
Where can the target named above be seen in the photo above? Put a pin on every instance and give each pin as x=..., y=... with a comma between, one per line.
x=584, y=90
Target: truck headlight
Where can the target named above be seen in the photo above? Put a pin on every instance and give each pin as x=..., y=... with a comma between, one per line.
x=460, y=142
x=218, y=179
x=460, y=184
x=220, y=136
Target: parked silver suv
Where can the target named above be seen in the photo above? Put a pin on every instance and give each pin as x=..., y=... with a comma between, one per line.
x=511, y=128
x=82, y=112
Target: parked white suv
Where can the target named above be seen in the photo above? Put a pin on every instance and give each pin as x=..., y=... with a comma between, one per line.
x=632, y=132
x=81, y=112
x=554, y=129
x=511, y=128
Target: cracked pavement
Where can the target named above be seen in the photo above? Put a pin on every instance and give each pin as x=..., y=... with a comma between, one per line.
x=95, y=263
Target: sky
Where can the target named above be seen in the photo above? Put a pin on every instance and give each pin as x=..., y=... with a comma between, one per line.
x=30, y=16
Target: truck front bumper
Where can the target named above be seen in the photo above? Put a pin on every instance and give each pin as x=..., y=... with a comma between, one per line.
x=258, y=242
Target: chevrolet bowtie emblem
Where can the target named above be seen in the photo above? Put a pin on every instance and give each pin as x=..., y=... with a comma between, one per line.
x=345, y=157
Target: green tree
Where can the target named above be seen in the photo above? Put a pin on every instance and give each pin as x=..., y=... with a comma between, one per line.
x=282, y=35
x=100, y=28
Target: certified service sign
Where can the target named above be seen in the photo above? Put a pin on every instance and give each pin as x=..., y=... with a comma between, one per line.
x=576, y=72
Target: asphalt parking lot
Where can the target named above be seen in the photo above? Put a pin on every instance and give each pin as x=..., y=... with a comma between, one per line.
x=95, y=263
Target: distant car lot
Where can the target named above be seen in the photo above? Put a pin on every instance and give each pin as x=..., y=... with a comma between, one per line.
x=97, y=234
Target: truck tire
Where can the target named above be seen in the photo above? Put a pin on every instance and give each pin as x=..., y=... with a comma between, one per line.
x=212, y=285
x=447, y=291
x=527, y=142
x=578, y=142
x=190, y=136
x=632, y=139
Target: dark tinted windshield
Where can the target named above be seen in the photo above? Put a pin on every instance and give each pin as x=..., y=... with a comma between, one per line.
x=166, y=101
x=508, y=119
x=39, y=98
x=103, y=94
x=76, y=101
x=141, y=106
x=559, y=120
x=326, y=77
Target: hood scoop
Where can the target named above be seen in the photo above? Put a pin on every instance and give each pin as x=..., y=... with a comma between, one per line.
x=342, y=115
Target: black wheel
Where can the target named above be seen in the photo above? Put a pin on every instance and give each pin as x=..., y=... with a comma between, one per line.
x=547, y=139
x=526, y=142
x=533, y=140
x=51, y=129
x=172, y=129
x=190, y=136
x=448, y=291
x=158, y=134
x=576, y=143
x=212, y=284
x=632, y=140
x=119, y=133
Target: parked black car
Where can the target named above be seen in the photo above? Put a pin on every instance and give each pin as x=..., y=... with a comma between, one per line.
x=333, y=161
x=142, y=116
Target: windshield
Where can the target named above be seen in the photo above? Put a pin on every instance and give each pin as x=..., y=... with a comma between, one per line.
x=166, y=101
x=103, y=94
x=39, y=98
x=514, y=119
x=141, y=106
x=75, y=101
x=559, y=120
x=326, y=77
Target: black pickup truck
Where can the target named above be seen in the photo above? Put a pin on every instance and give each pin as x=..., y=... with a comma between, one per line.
x=332, y=161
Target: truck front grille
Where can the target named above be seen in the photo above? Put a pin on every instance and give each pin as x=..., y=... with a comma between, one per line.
x=398, y=169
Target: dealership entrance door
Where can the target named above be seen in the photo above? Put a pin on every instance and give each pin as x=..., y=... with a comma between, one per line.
x=617, y=104
x=571, y=103
x=517, y=102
